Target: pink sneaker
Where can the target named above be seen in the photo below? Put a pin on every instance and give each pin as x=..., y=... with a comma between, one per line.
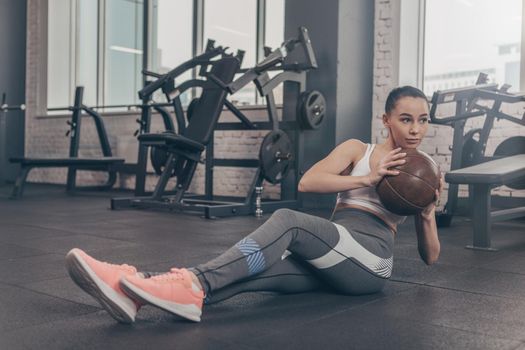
x=101, y=281
x=173, y=291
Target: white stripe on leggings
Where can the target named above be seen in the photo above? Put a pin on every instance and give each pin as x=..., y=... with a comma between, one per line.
x=348, y=247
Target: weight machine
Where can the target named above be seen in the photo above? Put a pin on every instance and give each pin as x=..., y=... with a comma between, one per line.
x=468, y=148
x=178, y=155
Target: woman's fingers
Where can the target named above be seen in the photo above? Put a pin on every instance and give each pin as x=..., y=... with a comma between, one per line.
x=395, y=150
x=394, y=163
x=399, y=155
x=392, y=172
x=391, y=160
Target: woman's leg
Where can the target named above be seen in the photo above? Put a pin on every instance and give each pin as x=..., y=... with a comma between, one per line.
x=287, y=276
x=328, y=247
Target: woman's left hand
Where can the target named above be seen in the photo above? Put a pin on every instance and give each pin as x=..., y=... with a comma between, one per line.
x=428, y=212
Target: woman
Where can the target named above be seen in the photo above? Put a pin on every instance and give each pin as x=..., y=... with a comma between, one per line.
x=292, y=252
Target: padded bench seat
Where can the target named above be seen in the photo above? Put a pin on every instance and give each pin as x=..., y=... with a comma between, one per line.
x=72, y=163
x=482, y=178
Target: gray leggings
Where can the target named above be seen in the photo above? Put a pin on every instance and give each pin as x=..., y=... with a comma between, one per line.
x=293, y=252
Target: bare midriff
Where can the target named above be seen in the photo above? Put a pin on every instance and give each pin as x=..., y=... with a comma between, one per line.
x=392, y=228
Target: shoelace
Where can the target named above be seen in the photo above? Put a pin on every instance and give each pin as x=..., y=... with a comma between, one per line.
x=124, y=267
x=173, y=275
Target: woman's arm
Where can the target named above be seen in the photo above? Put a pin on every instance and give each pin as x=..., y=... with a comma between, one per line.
x=427, y=238
x=325, y=175
x=328, y=175
x=426, y=229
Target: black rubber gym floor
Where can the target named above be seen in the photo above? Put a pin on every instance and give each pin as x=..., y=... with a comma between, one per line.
x=468, y=300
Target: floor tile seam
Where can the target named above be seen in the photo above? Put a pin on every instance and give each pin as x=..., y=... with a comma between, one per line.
x=471, y=269
x=7, y=284
x=25, y=287
x=408, y=282
x=32, y=238
x=438, y=263
x=466, y=291
x=41, y=252
x=36, y=256
x=446, y=264
x=479, y=293
x=105, y=237
x=5, y=260
x=74, y=235
x=47, y=228
x=111, y=238
x=501, y=271
x=432, y=281
x=47, y=322
x=492, y=336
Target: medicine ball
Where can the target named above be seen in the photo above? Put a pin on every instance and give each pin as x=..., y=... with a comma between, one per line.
x=414, y=188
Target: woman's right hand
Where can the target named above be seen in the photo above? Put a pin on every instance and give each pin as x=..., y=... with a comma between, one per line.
x=392, y=159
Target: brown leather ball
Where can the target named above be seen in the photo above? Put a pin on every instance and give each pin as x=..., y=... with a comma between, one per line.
x=409, y=192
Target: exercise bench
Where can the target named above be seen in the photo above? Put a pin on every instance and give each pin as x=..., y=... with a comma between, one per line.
x=482, y=178
x=105, y=163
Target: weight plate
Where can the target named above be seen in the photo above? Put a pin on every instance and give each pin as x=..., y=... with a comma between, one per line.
x=312, y=109
x=275, y=156
x=158, y=157
x=511, y=147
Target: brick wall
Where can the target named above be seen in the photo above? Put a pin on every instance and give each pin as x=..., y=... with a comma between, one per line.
x=439, y=138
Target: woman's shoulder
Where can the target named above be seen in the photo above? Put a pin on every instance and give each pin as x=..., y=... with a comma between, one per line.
x=354, y=146
x=352, y=150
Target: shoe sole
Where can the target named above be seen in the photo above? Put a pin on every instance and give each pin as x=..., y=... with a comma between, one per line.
x=118, y=307
x=190, y=312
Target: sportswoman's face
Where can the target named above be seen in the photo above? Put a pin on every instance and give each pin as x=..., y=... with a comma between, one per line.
x=408, y=122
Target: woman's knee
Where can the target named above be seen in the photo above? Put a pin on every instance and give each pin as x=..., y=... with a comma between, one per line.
x=284, y=214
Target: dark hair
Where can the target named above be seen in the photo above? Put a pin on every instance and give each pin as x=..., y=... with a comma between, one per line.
x=400, y=92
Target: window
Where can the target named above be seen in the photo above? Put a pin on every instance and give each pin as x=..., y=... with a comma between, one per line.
x=478, y=36
x=104, y=56
x=99, y=44
x=274, y=26
x=233, y=23
x=123, y=53
x=171, y=37
x=274, y=34
x=72, y=51
x=87, y=50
